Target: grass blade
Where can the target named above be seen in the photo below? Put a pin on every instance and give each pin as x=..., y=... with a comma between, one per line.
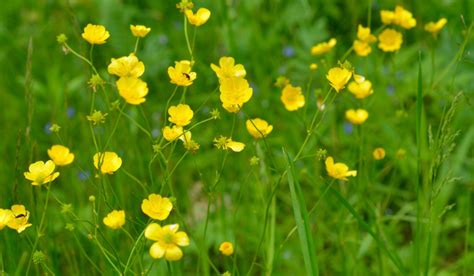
x=419, y=113
x=301, y=218
x=394, y=258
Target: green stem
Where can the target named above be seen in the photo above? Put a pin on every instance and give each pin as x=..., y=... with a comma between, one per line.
x=81, y=57
x=312, y=127
x=135, y=179
x=188, y=44
x=129, y=260
x=115, y=127
x=39, y=230
x=136, y=45
x=136, y=124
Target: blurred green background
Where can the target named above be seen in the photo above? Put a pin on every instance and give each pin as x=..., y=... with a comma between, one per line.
x=271, y=38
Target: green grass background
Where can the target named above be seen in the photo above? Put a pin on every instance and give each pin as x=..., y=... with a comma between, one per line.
x=270, y=38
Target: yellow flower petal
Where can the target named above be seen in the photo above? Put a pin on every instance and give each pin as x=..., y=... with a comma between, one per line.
x=156, y=251
x=173, y=253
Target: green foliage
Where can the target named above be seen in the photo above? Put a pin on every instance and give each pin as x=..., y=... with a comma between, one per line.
x=375, y=224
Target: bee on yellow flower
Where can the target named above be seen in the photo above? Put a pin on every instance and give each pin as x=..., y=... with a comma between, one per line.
x=157, y=207
x=41, y=173
x=167, y=241
x=181, y=74
x=199, y=18
x=226, y=248
x=228, y=69
x=258, y=128
x=180, y=115
x=338, y=77
x=390, y=40
x=292, y=97
x=139, y=30
x=19, y=219
x=357, y=117
x=323, y=47
x=95, y=34
x=60, y=155
x=127, y=66
x=133, y=90
x=115, y=219
x=109, y=162
x=338, y=170
x=435, y=27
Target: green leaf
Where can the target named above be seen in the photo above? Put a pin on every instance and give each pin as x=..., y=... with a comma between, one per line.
x=301, y=217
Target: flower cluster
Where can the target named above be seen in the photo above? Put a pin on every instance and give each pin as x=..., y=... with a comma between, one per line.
x=234, y=88
x=167, y=239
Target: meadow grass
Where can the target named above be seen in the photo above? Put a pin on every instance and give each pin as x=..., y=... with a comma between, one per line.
x=278, y=201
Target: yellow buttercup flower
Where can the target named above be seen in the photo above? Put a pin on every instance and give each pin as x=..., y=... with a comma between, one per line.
x=361, y=90
x=400, y=17
x=60, y=155
x=390, y=40
x=95, y=34
x=339, y=170
x=139, y=30
x=6, y=216
x=387, y=17
x=226, y=248
x=338, y=77
x=157, y=207
x=110, y=162
x=133, y=90
x=115, y=219
x=167, y=241
x=357, y=117
x=364, y=35
x=361, y=48
x=227, y=143
x=180, y=115
x=181, y=73
x=172, y=133
x=435, y=27
x=404, y=18
x=228, y=68
x=198, y=18
x=235, y=91
x=19, y=222
x=292, y=97
x=128, y=66
x=258, y=128
x=40, y=172
x=313, y=66
x=378, y=153
x=323, y=47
